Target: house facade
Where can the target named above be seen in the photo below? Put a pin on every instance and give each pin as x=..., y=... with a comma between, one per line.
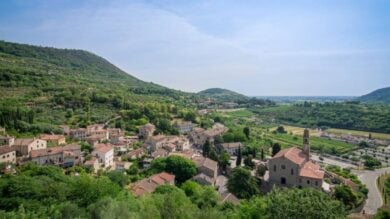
x=7, y=155
x=105, y=154
x=54, y=140
x=147, y=130
x=23, y=146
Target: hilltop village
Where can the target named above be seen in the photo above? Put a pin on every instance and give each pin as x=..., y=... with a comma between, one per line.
x=98, y=148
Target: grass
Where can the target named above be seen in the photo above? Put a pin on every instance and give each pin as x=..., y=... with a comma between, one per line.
x=297, y=130
x=382, y=188
x=316, y=143
x=375, y=135
x=244, y=113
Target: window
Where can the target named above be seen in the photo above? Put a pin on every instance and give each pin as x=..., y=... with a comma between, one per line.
x=308, y=182
x=292, y=171
x=274, y=168
x=283, y=167
x=316, y=183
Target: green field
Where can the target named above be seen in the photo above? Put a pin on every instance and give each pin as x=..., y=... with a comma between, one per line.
x=316, y=143
x=243, y=113
x=375, y=135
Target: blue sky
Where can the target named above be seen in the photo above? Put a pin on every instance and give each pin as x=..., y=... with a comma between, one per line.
x=339, y=47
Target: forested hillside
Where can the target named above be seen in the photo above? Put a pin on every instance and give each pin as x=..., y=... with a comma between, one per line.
x=378, y=96
x=47, y=86
x=220, y=94
x=349, y=115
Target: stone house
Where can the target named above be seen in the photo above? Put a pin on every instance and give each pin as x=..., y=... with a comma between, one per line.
x=7, y=155
x=53, y=140
x=230, y=148
x=150, y=184
x=24, y=146
x=7, y=140
x=147, y=130
x=207, y=170
x=184, y=127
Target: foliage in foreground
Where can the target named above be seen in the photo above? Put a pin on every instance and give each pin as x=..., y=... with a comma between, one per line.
x=46, y=192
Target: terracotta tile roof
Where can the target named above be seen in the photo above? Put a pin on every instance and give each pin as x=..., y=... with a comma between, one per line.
x=148, y=185
x=293, y=154
x=23, y=141
x=5, y=149
x=311, y=170
x=136, y=152
x=201, y=161
x=91, y=161
x=103, y=148
x=51, y=137
x=46, y=151
x=72, y=147
x=160, y=153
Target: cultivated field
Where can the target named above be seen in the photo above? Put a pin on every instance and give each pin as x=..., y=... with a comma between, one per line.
x=382, y=136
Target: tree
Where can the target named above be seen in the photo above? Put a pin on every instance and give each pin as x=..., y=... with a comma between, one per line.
x=281, y=130
x=261, y=169
x=302, y=203
x=239, y=154
x=276, y=148
x=224, y=160
x=346, y=195
x=262, y=154
x=213, y=155
x=181, y=167
x=206, y=148
x=247, y=132
x=242, y=184
x=248, y=162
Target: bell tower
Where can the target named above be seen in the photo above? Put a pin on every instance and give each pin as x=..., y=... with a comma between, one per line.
x=306, y=143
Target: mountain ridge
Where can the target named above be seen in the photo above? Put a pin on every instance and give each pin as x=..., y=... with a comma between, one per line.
x=381, y=95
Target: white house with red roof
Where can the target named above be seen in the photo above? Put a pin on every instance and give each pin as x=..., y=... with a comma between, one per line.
x=293, y=167
x=105, y=154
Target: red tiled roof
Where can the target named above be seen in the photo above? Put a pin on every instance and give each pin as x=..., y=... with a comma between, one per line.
x=150, y=184
x=103, y=148
x=51, y=137
x=5, y=149
x=294, y=154
x=311, y=170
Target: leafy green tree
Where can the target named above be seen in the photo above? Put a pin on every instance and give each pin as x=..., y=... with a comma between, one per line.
x=276, y=147
x=239, y=157
x=224, y=160
x=206, y=148
x=346, y=195
x=248, y=162
x=302, y=203
x=242, y=184
x=246, y=131
x=181, y=167
x=213, y=155
x=281, y=130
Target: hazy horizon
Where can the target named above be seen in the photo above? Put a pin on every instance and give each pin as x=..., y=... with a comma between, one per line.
x=257, y=48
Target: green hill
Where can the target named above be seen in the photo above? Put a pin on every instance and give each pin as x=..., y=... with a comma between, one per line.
x=222, y=95
x=55, y=86
x=378, y=96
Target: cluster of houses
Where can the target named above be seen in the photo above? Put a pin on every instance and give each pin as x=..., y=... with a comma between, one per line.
x=112, y=150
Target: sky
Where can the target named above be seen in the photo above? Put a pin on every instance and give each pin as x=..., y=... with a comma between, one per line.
x=255, y=47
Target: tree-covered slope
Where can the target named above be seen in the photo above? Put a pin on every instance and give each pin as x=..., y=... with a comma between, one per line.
x=378, y=96
x=220, y=94
x=55, y=86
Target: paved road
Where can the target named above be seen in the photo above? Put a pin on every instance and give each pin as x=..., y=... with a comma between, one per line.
x=374, y=198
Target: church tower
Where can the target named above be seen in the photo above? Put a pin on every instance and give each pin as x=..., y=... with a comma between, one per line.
x=306, y=143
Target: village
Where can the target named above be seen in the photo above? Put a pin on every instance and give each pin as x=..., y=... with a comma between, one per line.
x=98, y=148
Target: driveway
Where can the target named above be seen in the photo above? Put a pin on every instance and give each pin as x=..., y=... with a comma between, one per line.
x=374, y=198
